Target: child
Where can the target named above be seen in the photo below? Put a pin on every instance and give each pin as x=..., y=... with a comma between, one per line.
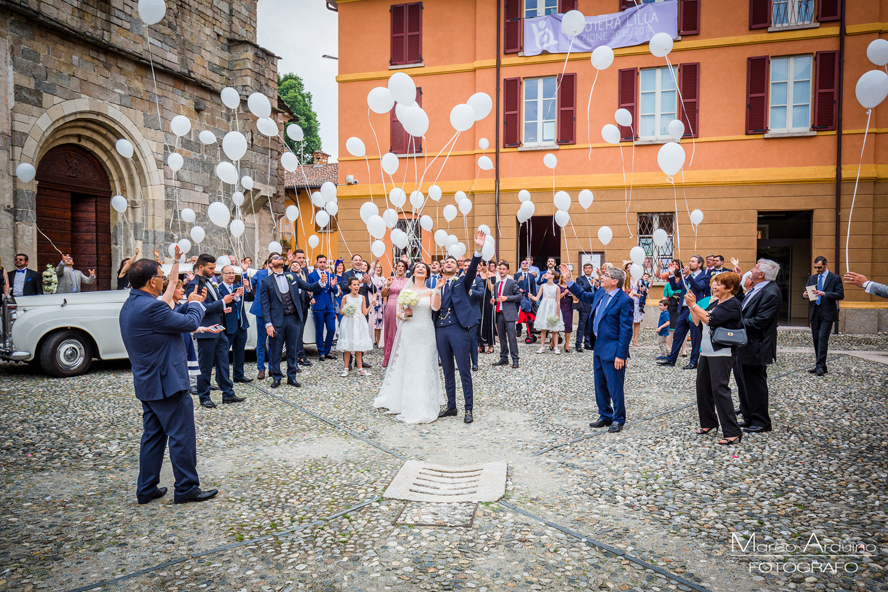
x=549, y=298
x=663, y=330
x=354, y=332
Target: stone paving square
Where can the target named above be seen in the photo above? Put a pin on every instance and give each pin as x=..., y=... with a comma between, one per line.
x=423, y=482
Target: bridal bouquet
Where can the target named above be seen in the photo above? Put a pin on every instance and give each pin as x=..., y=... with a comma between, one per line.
x=50, y=280
x=407, y=299
x=350, y=310
x=552, y=320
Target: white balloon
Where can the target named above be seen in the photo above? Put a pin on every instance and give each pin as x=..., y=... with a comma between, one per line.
x=207, y=137
x=573, y=23
x=440, y=237
x=238, y=198
x=527, y=208
x=426, y=223
x=585, y=198
x=227, y=173
x=522, y=216
x=465, y=206
x=696, y=217
x=390, y=163
x=449, y=212
x=259, y=105
x=26, y=171
x=380, y=100
x=452, y=239
x=368, y=210
x=175, y=161
x=562, y=218
x=400, y=110
x=416, y=200
x=637, y=255
x=180, y=125
x=524, y=195
x=247, y=182
x=230, y=97
x=602, y=57
x=459, y=196
x=605, y=234
x=415, y=121
x=328, y=190
x=218, y=214
x=332, y=208
x=623, y=117
x=198, y=234
x=671, y=158
x=267, y=127
x=172, y=249
x=660, y=237
x=462, y=117
x=676, y=129
x=236, y=228
x=222, y=262
x=550, y=160
x=481, y=105
x=376, y=226
x=234, y=145
x=317, y=199
x=562, y=200
x=185, y=245
x=124, y=148
x=486, y=230
x=377, y=248
x=390, y=217
x=292, y=213
x=402, y=88
x=636, y=271
x=152, y=11
x=877, y=52
x=355, y=147
x=872, y=88
x=399, y=238
x=118, y=202
x=275, y=247
x=435, y=193
x=457, y=250
x=611, y=134
x=661, y=45
x=188, y=215
x=398, y=197
x=485, y=164
x=295, y=133
x=289, y=161
x=488, y=251
x=313, y=241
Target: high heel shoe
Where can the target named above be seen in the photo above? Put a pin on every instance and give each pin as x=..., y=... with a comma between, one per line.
x=704, y=431
x=730, y=441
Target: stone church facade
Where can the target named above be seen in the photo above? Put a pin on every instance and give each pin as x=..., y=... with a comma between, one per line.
x=77, y=78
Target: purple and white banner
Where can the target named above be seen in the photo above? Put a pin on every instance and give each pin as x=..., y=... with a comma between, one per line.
x=634, y=26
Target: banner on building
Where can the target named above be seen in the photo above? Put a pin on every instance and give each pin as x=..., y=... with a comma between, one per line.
x=634, y=26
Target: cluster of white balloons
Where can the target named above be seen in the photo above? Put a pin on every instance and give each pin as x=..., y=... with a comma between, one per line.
x=872, y=87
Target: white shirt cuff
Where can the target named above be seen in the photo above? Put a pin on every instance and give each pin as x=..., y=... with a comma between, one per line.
x=477, y=253
x=267, y=325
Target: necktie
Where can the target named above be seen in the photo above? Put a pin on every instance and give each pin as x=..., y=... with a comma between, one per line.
x=819, y=286
x=75, y=282
x=499, y=305
x=598, y=313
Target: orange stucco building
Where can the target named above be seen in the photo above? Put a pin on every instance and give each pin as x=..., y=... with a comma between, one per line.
x=758, y=82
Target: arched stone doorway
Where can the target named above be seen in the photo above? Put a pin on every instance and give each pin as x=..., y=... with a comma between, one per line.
x=74, y=211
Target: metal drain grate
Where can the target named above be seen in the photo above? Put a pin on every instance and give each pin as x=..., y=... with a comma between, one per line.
x=423, y=482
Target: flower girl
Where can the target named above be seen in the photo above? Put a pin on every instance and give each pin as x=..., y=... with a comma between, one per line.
x=354, y=332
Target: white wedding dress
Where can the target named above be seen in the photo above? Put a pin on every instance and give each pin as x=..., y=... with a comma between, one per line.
x=412, y=386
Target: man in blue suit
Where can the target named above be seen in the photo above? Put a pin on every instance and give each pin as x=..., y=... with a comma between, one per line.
x=236, y=321
x=256, y=310
x=587, y=283
x=476, y=297
x=695, y=278
x=324, y=308
x=611, y=330
x=454, y=321
x=152, y=334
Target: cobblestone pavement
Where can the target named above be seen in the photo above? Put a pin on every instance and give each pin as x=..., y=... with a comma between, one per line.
x=654, y=507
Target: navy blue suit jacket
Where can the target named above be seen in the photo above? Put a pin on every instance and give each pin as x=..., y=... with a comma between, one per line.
x=615, y=327
x=459, y=294
x=323, y=295
x=586, y=286
x=273, y=303
x=256, y=284
x=526, y=282
x=215, y=308
x=237, y=318
x=476, y=296
x=152, y=334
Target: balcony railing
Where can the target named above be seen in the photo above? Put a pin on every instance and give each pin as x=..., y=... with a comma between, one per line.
x=791, y=13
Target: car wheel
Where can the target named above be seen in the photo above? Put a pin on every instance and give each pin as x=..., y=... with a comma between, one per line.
x=66, y=353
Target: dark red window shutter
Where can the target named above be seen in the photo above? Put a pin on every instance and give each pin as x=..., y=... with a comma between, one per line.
x=627, y=98
x=414, y=33
x=566, y=5
x=689, y=17
x=757, y=94
x=624, y=4
x=689, y=86
x=513, y=22
x=759, y=14
x=399, y=35
x=400, y=139
x=511, y=112
x=406, y=34
x=826, y=87
x=567, y=109
x=829, y=10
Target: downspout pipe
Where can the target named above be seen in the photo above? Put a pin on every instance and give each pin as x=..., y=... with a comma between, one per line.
x=499, y=63
x=840, y=93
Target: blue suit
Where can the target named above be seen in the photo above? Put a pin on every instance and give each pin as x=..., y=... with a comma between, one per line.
x=236, y=325
x=212, y=348
x=152, y=334
x=287, y=327
x=700, y=288
x=256, y=309
x=324, y=311
x=584, y=326
x=613, y=318
x=476, y=297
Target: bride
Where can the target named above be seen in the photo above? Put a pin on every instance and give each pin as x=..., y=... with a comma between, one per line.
x=412, y=385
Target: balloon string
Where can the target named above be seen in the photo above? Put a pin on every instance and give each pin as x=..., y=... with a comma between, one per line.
x=561, y=78
x=453, y=139
x=378, y=151
x=681, y=106
x=676, y=224
x=589, y=111
x=625, y=188
x=869, y=113
x=631, y=178
x=156, y=93
x=685, y=191
x=577, y=237
x=369, y=184
x=443, y=164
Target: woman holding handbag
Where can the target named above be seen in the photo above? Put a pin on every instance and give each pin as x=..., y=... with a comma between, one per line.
x=722, y=334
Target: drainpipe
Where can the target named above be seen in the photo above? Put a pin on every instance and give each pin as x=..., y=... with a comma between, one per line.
x=839, y=137
x=496, y=186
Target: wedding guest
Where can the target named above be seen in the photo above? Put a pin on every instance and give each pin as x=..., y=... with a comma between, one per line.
x=323, y=307
x=390, y=292
x=823, y=310
x=476, y=298
x=461, y=265
x=122, y=278
x=588, y=283
x=506, y=297
x=714, y=404
x=487, y=326
x=527, y=285
x=71, y=280
x=549, y=299
x=354, y=333
x=359, y=269
x=690, y=277
x=629, y=286
x=301, y=270
x=566, y=303
x=641, y=292
x=338, y=272
x=663, y=330
x=377, y=312
x=550, y=268
x=256, y=309
x=237, y=321
x=435, y=276
x=870, y=287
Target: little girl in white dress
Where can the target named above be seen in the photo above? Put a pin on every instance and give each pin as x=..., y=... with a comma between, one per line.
x=549, y=298
x=354, y=332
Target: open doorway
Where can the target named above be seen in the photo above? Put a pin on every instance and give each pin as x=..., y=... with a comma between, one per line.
x=785, y=237
x=539, y=238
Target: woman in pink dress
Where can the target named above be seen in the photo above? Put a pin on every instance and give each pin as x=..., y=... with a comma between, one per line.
x=393, y=287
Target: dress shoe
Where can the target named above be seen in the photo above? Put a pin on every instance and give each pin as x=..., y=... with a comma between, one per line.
x=234, y=400
x=475, y=368
x=320, y=358
x=304, y=362
x=448, y=413
x=578, y=350
x=662, y=357
x=666, y=363
x=745, y=424
x=275, y=383
x=614, y=428
x=330, y=357
x=812, y=370
x=214, y=388
x=200, y=496
x=293, y=383
x=158, y=493
x=590, y=348
x=690, y=367
x=208, y=404
x=468, y=418
x=260, y=375
x=820, y=372
x=756, y=429
x=514, y=364
x=243, y=380
x=500, y=363
x=601, y=423
x=738, y=411
x=365, y=365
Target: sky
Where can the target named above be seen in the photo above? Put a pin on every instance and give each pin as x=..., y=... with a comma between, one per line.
x=300, y=32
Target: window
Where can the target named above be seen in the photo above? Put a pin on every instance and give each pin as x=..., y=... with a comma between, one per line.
x=414, y=247
x=662, y=255
x=774, y=14
x=659, y=102
x=787, y=13
x=790, y=108
x=401, y=141
x=540, y=110
x=535, y=8
x=332, y=225
x=406, y=34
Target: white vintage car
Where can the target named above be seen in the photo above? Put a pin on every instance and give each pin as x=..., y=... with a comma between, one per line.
x=64, y=332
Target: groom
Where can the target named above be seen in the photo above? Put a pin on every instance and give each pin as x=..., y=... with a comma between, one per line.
x=455, y=320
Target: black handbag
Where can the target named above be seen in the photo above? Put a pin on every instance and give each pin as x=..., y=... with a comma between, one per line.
x=729, y=337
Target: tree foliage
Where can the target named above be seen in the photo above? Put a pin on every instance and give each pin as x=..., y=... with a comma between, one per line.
x=292, y=90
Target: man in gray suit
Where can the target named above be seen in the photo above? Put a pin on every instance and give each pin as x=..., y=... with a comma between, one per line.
x=506, y=298
x=870, y=287
x=71, y=280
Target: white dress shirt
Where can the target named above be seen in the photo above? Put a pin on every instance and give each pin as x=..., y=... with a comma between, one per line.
x=18, y=286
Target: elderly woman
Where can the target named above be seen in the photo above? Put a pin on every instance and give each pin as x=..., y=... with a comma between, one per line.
x=714, y=402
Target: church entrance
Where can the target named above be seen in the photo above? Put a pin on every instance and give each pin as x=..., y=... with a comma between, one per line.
x=74, y=212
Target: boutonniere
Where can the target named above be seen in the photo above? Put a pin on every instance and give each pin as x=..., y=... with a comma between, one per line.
x=290, y=277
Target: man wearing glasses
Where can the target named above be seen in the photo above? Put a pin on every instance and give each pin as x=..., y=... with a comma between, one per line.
x=823, y=291
x=236, y=321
